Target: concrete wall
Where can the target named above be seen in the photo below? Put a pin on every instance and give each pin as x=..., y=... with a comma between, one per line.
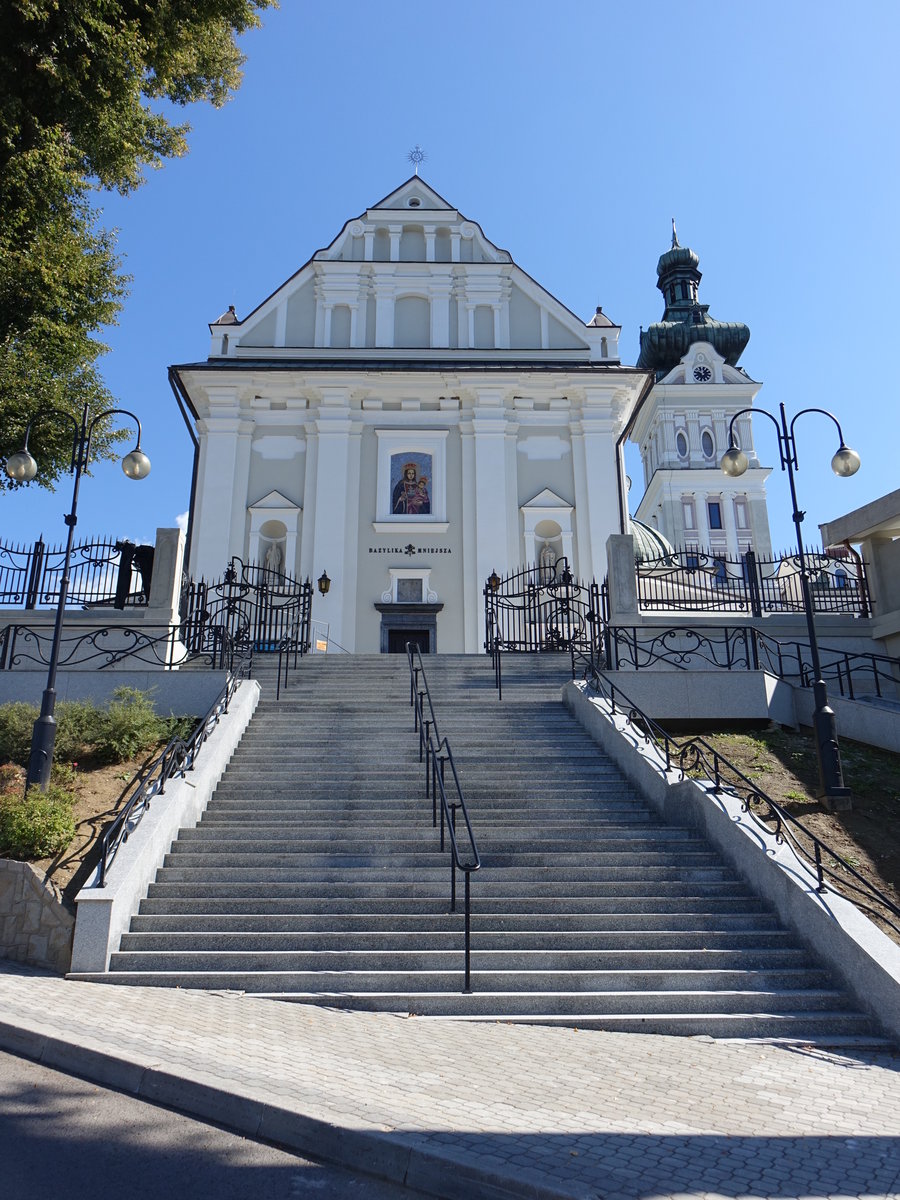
x=175, y=693
x=103, y=914
x=860, y=955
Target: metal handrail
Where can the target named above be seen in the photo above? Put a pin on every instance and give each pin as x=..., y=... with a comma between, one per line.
x=177, y=757
x=690, y=755
x=436, y=753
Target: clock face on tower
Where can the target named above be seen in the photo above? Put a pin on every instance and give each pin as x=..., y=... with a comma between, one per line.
x=702, y=374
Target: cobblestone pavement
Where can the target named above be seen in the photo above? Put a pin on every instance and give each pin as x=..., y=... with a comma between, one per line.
x=484, y=1110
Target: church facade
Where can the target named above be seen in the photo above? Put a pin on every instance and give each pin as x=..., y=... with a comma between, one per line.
x=410, y=412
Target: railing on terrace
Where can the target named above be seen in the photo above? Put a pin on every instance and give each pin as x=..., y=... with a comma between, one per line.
x=104, y=572
x=26, y=647
x=436, y=753
x=744, y=648
x=705, y=581
x=177, y=758
x=695, y=758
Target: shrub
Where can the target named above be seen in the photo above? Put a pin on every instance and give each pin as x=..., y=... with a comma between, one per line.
x=38, y=825
x=79, y=725
x=16, y=721
x=129, y=726
x=126, y=728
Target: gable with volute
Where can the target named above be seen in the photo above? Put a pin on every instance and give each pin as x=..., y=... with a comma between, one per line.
x=412, y=273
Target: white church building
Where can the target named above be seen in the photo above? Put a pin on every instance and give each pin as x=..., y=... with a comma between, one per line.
x=411, y=411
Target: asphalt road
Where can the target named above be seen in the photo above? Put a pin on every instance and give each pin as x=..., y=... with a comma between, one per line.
x=62, y=1138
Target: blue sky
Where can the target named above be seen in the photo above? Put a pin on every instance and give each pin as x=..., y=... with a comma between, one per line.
x=572, y=133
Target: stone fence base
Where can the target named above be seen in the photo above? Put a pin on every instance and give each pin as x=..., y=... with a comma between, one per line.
x=35, y=926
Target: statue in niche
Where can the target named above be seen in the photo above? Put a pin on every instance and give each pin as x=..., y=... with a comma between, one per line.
x=273, y=560
x=548, y=563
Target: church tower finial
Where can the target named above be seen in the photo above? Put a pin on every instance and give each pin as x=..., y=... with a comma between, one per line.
x=675, y=241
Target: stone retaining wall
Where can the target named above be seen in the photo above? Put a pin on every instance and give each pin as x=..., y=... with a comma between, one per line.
x=35, y=926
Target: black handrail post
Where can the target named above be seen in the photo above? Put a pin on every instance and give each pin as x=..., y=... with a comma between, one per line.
x=467, y=989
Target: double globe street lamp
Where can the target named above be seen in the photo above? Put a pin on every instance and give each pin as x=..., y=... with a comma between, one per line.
x=22, y=468
x=844, y=463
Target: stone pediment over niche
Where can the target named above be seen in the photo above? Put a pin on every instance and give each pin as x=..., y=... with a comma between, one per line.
x=546, y=500
x=273, y=500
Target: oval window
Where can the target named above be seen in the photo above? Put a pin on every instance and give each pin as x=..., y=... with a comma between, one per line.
x=681, y=444
x=707, y=444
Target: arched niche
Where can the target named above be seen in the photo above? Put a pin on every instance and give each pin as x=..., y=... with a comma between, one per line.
x=275, y=519
x=412, y=321
x=547, y=518
x=412, y=244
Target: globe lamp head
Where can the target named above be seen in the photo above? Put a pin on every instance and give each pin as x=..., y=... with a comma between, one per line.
x=734, y=462
x=845, y=462
x=21, y=466
x=136, y=465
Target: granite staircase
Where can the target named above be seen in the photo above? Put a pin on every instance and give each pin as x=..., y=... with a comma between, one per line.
x=315, y=875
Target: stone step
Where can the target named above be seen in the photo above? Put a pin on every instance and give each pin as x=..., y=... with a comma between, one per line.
x=623, y=925
x=611, y=992
x=527, y=891
x=565, y=965
x=426, y=941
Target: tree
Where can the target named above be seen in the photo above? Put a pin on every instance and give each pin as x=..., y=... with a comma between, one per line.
x=83, y=86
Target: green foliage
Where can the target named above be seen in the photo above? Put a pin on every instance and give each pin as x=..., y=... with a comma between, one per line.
x=130, y=726
x=37, y=825
x=124, y=729
x=80, y=83
x=16, y=721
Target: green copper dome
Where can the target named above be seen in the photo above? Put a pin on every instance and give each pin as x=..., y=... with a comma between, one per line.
x=649, y=543
x=685, y=320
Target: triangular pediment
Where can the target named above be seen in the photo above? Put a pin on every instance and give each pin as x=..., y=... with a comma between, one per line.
x=273, y=499
x=415, y=189
x=547, y=499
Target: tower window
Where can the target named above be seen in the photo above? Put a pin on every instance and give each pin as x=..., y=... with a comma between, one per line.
x=707, y=444
x=681, y=444
x=714, y=512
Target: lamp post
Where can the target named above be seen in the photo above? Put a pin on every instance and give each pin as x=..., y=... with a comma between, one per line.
x=844, y=463
x=22, y=467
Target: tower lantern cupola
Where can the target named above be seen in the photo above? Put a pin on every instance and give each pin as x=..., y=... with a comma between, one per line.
x=685, y=320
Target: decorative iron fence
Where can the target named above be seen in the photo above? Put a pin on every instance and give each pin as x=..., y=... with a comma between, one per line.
x=744, y=648
x=541, y=609
x=255, y=608
x=101, y=573
x=704, y=581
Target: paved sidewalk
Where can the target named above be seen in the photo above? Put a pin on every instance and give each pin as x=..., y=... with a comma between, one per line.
x=469, y=1110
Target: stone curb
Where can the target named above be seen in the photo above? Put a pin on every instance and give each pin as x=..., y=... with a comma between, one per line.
x=447, y=1175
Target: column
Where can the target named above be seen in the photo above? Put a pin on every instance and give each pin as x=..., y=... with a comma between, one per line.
x=332, y=519
x=491, y=550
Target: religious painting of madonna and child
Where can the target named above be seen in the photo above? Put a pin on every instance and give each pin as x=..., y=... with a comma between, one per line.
x=411, y=482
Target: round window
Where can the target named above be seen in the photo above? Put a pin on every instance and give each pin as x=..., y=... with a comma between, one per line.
x=413, y=202
x=681, y=444
x=707, y=444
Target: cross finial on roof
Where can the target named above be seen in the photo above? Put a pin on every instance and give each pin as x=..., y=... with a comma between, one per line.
x=674, y=235
x=416, y=155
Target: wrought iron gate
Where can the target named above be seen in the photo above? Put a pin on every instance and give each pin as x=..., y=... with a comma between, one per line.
x=250, y=609
x=542, y=609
